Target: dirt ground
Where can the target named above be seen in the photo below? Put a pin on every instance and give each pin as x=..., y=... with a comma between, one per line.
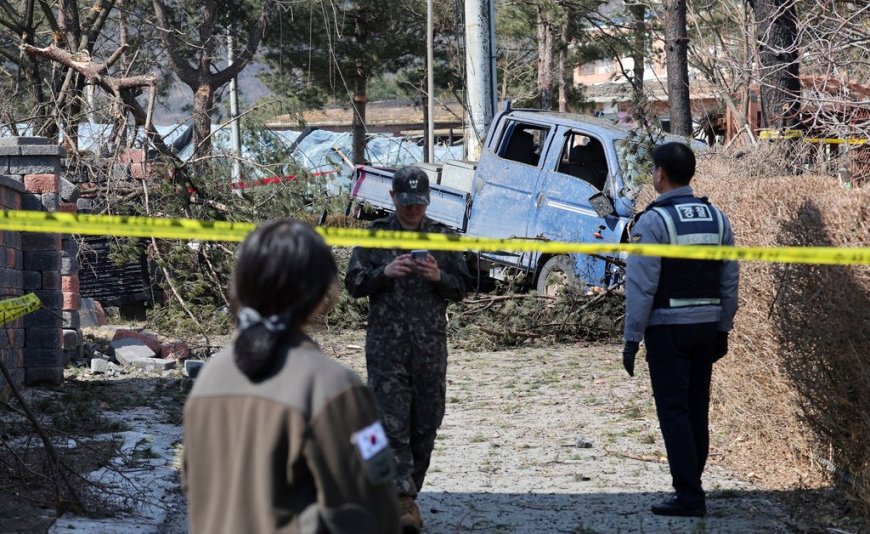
x=559, y=439
x=542, y=438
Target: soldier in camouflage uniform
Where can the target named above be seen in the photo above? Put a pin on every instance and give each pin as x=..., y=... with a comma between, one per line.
x=406, y=341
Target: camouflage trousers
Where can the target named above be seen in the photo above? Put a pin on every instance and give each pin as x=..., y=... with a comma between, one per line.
x=409, y=382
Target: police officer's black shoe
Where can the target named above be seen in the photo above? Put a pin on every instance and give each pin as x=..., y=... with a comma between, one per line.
x=674, y=507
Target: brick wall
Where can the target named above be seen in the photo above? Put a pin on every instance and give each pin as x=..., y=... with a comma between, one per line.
x=11, y=280
x=42, y=263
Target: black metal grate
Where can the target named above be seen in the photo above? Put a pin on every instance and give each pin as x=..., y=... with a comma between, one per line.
x=101, y=280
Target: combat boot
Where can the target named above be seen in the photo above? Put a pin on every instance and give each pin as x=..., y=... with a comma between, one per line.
x=409, y=515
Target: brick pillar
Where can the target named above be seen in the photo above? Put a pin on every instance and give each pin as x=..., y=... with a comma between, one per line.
x=11, y=333
x=69, y=282
x=37, y=165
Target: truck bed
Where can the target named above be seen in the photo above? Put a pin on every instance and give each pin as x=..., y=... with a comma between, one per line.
x=372, y=185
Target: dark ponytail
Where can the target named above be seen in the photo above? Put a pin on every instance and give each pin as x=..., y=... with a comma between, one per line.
x=283, y=272
x=254, y=348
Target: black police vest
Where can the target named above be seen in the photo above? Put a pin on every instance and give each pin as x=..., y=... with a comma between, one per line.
x=690, y=221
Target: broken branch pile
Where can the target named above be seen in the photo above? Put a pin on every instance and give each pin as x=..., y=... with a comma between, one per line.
x=491, y=322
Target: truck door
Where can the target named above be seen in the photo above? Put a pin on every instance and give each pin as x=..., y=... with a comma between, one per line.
x=576, y=170
x=505, y=183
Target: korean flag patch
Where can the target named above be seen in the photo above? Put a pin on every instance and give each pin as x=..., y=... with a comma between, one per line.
x=374, y=449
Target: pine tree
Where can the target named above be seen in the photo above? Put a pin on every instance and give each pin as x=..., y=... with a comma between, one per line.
x=332, y=51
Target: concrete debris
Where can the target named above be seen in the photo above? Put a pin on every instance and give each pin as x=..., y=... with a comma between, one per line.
x=154, y=364
x=91, y=313
x=128, y=350
x=582, y=443
x=104, y=367
x=148, y=338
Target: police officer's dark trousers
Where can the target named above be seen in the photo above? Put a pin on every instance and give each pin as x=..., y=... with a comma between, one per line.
x=680, y=359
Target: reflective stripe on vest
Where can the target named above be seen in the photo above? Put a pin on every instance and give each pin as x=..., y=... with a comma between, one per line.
x=682, y=303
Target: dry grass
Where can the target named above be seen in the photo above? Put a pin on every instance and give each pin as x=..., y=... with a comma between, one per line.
x=793, y=395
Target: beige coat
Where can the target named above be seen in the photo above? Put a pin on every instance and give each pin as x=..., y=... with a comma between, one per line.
x=301, y=451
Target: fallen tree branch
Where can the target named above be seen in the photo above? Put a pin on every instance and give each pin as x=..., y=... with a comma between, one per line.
x=639, y=457
x=162, y=263
x=499, y=298
x=529, y=335
x=56, y=465
x=95, y=73
x=121, y=87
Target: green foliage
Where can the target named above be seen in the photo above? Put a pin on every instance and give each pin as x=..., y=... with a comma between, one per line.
x=318, y=49
x=195, y=276
x=77, y=410
x=517, y=53
x=211, y=20
x=348, y=311
x=496, y=322
x=519, y=46
x=635, y=150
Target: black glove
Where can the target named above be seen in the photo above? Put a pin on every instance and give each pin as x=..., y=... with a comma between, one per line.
x=628, y=354
x=721, y=345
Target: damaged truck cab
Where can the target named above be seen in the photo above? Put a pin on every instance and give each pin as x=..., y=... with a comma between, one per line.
x=556, y=177
x=544, y=176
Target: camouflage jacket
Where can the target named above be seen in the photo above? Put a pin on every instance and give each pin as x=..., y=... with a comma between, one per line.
x=412, y=301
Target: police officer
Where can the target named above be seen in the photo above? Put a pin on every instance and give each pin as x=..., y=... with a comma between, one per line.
x=406, y=341
x=683, y=310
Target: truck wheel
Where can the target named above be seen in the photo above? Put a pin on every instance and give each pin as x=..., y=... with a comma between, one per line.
x=556, y=274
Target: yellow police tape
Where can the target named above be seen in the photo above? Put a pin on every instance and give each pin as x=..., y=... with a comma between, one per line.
x=15, y=308
x=769, y=135
x=190, y=229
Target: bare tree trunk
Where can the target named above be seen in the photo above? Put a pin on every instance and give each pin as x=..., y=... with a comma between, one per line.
x=566, y=79
x=776, y=34
x=545, y=58
x=203, y=105
x=425, y=104
x=638, y=49
x=360, y=96
x=676, y=46
x=192, y=61
x=359, y=115
x=71, y=114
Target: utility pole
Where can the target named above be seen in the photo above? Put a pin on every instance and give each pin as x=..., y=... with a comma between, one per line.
x=235, y=131
x=430, y=82
x=480, y=100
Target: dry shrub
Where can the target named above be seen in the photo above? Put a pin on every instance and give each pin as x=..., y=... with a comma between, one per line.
x=792, y=398
x=772, y=160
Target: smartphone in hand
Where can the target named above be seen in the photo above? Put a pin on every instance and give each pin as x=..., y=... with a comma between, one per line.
x=419, y=254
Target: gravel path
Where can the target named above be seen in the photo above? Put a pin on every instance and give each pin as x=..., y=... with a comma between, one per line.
x=544, y=439
x=560, y=439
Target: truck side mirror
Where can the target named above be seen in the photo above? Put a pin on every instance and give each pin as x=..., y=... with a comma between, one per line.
x=601, y=204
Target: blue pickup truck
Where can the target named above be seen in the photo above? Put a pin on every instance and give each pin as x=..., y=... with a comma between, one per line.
x=541, y=175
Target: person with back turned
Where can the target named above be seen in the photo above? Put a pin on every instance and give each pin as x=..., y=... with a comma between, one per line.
x=406, y=340
x=682, y=310
x=279, y=437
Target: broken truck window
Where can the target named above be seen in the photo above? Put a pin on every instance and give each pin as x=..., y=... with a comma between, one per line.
x=584, y=157
x=525, y=143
